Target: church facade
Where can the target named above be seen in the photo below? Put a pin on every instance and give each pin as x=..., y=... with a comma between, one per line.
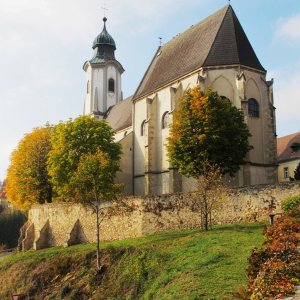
x=214, y=53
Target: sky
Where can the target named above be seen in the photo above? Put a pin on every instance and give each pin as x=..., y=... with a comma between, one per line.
x=44, y=44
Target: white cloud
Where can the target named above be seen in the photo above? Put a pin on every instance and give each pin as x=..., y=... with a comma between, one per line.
x=288, y=28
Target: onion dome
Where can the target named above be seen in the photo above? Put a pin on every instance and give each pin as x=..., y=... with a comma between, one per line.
x=104, y=38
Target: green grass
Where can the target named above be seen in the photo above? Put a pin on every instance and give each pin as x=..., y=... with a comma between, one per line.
x=189, y=264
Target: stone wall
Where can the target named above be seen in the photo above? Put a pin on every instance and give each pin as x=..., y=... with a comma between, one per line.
x=67, y=224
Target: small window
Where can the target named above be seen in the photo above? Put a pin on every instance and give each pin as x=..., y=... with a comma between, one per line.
x=165, y=120
x=253, y=108
x=143, y=128
x=111, y=85
x=286, y=172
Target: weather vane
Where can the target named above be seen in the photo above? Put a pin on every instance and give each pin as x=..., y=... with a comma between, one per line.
x=104, y=8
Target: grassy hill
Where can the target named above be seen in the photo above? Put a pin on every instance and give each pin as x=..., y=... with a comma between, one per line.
x=189, y=264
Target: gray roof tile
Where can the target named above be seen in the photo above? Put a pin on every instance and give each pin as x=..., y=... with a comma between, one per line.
x=217, y=40
x=119, y=116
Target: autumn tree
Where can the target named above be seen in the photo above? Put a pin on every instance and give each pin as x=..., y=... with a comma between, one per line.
x=72, y=139
x=208, y=138
x=93, y=184
x=27, y=179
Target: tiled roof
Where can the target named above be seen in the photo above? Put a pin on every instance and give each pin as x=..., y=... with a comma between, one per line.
x=119, y=116
x=284, y=149
x=217, y=40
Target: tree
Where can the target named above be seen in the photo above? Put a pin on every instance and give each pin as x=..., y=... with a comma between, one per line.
x=93, y=183
x=297, y=173
x=208, y=138
x=72, y=139
x=207, y=128
x=210, y=192
x=27, y=179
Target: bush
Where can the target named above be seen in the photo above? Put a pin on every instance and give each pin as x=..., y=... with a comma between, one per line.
x=289, y=203
x=274, y=270
x=10, y=225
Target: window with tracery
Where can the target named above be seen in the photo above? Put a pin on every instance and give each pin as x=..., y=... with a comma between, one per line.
x=253, y=108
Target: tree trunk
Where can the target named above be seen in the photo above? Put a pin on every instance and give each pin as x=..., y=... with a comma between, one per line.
x=98, y=237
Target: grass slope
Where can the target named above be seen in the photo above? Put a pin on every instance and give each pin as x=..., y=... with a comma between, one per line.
x=189, y=264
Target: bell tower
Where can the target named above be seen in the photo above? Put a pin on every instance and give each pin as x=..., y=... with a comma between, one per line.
x=103, y=72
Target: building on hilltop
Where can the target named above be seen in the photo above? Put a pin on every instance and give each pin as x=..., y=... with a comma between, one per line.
x=213, y=53
x=288, y=150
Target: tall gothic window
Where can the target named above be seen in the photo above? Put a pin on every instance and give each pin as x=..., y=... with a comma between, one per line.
x=88, y=87
x=111, y=85
x=253, y=108
x=165, y=120
x=143, y=128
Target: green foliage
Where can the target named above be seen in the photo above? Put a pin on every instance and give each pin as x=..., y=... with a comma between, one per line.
x=185, y=264
x=297, y=173
x=10, y=225
x=94, y=178
x=72, y=139
x=27, y=178
x=275, y=269
x=289, y=203
x=207, y=127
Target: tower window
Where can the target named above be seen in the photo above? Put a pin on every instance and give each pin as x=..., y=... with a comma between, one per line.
x=165, y=120
x=253, y=108
x=111, y=85
x=143, y=128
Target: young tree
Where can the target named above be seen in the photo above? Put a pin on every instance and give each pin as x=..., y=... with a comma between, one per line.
x=27, y=179
x=210, y=193
x=72, y=139
x=208, y=138
x=93, y=184
x=297, y=173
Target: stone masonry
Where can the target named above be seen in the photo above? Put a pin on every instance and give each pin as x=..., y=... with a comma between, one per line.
x=64, y=224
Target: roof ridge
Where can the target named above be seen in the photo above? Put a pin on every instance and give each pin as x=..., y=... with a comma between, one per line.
x=228, y=6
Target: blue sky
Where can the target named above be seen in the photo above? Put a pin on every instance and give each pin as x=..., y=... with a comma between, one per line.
x=44, y=44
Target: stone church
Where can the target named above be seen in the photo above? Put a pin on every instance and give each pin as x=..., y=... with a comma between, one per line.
x=213, y=53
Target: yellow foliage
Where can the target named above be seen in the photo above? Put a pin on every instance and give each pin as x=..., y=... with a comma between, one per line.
x=27, y=179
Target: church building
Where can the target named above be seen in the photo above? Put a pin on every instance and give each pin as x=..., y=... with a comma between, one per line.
x=214, y=53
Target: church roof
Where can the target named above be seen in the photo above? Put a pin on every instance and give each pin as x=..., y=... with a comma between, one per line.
x=288, y=147
x=218, y=40
x=119, y=116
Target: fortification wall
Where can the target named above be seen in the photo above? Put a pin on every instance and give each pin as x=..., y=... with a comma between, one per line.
x=67, y=224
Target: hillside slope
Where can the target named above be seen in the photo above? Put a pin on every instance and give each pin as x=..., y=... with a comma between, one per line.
x=187, y=264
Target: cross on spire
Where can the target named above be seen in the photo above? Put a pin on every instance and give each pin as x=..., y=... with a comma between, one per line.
x=104, y=8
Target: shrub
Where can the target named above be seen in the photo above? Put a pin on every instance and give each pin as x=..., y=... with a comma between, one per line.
x=289, y=203
x=274, y=270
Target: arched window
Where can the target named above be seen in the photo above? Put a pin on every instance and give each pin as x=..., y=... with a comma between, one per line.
x=143, y=128
x=225, y=98
x=253, y=108
x=165, y=120
x=88, y=87
x=111, y=85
